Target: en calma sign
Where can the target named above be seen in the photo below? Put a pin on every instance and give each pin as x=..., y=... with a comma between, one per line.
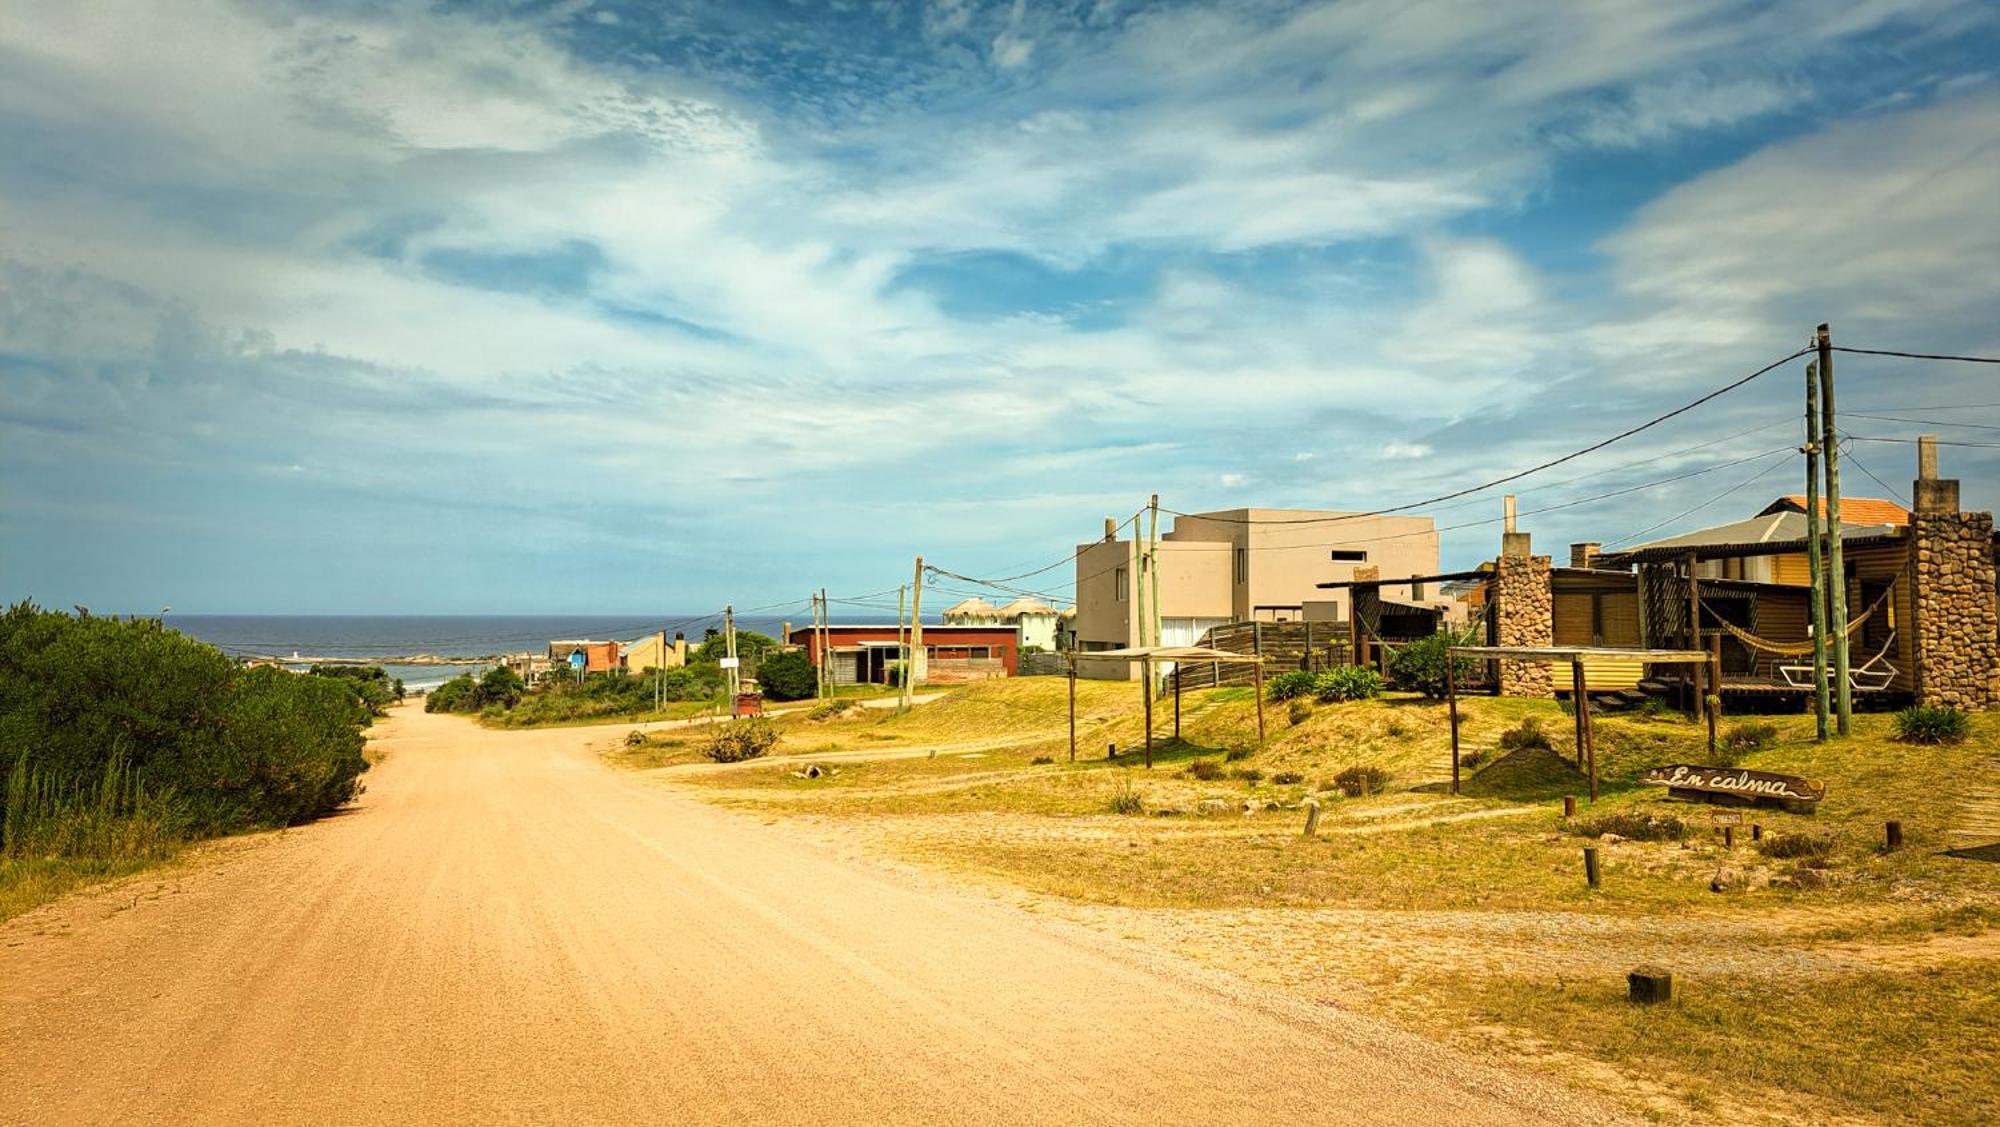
x=1726, y=783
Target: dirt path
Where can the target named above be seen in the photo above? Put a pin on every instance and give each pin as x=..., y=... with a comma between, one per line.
x=505, y=929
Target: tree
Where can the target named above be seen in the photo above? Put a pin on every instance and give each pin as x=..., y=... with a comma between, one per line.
x=1420, y=665
x=501, y=686
x=786, y=675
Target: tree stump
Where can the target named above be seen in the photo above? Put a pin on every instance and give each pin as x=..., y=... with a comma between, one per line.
x=1649, y=986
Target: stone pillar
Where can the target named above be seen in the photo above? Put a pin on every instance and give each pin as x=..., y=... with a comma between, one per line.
x=1584, y=554
x=1956, y=627
x=1523, y=615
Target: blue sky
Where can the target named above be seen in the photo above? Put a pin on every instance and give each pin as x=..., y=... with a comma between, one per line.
x=633, y=307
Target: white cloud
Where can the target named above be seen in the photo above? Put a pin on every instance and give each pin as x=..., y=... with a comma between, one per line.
x=1399, y=450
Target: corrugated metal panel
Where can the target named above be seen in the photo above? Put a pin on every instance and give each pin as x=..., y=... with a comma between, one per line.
x=1600, y=676
x=1620, y=620
x=1575, y=623
x=1792, y=569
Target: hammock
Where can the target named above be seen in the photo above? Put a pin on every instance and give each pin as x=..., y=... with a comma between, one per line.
x=1801, y=649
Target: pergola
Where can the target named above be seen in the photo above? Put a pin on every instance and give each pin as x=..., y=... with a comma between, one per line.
x=1146, y=656
x=1586, y=746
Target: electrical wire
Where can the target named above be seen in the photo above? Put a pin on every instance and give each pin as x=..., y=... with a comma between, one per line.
x=1939, y=441
x=1891, y=490
x=1917, y=355
x=1918, y=422
x=1746, y=482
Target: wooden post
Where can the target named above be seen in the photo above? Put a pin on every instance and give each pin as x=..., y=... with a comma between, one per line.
x=1257, y=680
x=1589, y=743
x=1146, y=666
x=1729, y=837
x=1072, y=706
x=1153, y=562
x=1569, y=806
x=1836, y=567
x=916, y=662
x=1893, y=836
x=1648, y=986
x=1576, y=694
x=1451, y=701
x=1815, y=561
x=1712, y=702
x=1591, y=873
x=1756, y=831
x=1177, y=700
x=1312, y=816
x=903, y=666
x=1694, y=634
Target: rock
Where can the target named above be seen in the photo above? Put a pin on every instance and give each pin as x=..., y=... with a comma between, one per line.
x=1610, y=839
x=1210, y=807
x=1729, y=878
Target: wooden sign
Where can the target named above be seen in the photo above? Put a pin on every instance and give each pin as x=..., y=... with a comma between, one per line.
x=1734, y=785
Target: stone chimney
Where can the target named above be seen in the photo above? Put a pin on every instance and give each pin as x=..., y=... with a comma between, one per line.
x=1955, y=624
x=1584, y=555
x=1523, y=611
x=1110, y=529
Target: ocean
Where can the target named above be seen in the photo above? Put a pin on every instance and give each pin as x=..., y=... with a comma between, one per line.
x=352, y=636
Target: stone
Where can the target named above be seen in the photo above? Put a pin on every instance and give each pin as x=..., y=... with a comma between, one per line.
x=1210, y=807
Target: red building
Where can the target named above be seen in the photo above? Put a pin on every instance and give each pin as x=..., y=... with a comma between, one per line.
x=864, y=654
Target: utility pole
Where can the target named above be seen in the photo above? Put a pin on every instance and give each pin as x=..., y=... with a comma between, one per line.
x=1836, y=567
x=819, y=671
x=735, y=673
x=1140, y=619
x=1153, y=570
x=1815, y=559
x=915, y=665
x=660, y=675
x=902, y=649
x=826, y=645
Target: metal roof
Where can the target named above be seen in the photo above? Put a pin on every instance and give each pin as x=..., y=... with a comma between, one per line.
x=1771, y=534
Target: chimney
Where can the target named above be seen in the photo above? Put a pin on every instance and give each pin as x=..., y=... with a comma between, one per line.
x=1110, y=529
x=1513, y=545
x=1931, y=493
x=1584, y=555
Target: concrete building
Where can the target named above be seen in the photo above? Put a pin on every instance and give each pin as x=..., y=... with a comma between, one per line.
x=599, y=657
x=864, y=654
x=1244, y=565
x=1035, y=622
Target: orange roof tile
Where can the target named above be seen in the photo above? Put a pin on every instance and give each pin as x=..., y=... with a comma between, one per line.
x=1853, y=510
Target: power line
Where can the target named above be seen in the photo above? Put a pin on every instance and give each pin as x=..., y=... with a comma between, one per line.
x=1940, y=442
x=1919, y=422
x=1934, y=407
x=1918, y=355
x=1758, y=476
x=1891, y=490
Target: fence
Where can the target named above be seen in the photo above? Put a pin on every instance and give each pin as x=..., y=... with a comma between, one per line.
x=1312, y=646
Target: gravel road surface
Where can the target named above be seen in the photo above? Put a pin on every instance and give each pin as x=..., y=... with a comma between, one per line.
x=504, y=929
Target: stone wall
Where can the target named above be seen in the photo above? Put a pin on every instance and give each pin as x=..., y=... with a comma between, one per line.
x=1523, y=615
x=1957, y=632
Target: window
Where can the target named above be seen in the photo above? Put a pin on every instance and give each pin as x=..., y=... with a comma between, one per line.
x=1123, y=579
x=1416, y=592
x=1348, y=555
x=1242, y=565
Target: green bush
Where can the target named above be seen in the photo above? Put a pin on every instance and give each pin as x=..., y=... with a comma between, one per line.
x=1932, y=724
x=1420, y=665
x=1288, y=778
x=1207, y=770
x=1299, y=711
x=130, y=724
x=1806, y=847
x=1528, y=734
x=1355, y=782
x=787, y=675
x=739, y=740
x=371, y=685
x=1291, y=684
x=831, y=709
x=1347, y=682
x=1739, y=740
x=1126, y=800
x=1636, y=825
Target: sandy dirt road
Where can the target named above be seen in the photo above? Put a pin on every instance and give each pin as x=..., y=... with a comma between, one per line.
x=503, y=929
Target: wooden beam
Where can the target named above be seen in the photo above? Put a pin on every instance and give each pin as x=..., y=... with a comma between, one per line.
x=1451, y=699
x=1146, y=667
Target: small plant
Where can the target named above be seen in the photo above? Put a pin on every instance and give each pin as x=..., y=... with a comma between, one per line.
x=1247, y=774
x=1126, y=800
x=1041, y=761
x=1932, y=724
x=1472, y=759
x=1653, y=708
x=1740, y=740
x=1207, y=770
x=1636, y=825
x=832, y=709
x=1288, y=778
x=1528, y=735
x=1236, y=753
x=1355, y=782
x=1290, y=685
x=1300, y=711
x=1347, y=682
x=1395, y=729
x=739, y=740
x=1805, y=848
x=635, y=738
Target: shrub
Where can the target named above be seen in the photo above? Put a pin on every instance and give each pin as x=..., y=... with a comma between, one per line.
x=831, y=709
x=1354, y=782
x=1637, y=825
x=1804, y=847
x=1236, y=753
x=1291, y=684
x=739, y=740
x=1288, y=778
x=1041, y=761
x=1126, y=800
x=1207, y=770
x=1420, y=665
x=787, y=675
x=1932, y=724
x=1528, y=734
x=1247, y=774
x=1739, y=740
x=635, y=738
x=1470, y=760
x=1348, y=682
x=1395, y=729
x=371, y=685
x=1300, y=711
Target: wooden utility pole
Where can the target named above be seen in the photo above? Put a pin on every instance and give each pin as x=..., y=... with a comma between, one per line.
x=1072, y=706
x=1815, y=558
x=1698, y=705
x=1140, y=618
x=915, y=665
x=1153, y=566
x=826, y=645
x=903, y=658
x=729, y=640
x=1836, y=568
